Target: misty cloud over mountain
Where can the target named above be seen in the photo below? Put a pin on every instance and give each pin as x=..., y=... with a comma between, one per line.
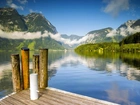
x=35, y=26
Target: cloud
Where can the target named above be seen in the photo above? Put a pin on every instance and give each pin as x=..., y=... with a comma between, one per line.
x=112, y=33
x=114, y=7
x=15, y=6
x=12, y=5
x=58, y=37
x=22, y=1
x=31, y=11
x=124, y=31
x=34, y=1
x=35, y=35
x=22, y=35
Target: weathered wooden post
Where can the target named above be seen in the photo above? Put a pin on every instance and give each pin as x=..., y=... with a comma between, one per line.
x=25, y=67
x=36, y=63
x=43, y=68
x=15, y=62
x=36, y=66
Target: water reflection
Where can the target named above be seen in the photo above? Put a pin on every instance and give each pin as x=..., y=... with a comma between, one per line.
x=119, y=95
x=104, y=76
x=5, y=80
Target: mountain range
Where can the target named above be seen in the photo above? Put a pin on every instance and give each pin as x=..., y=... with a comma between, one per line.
x=35, y=31
x=113, y=35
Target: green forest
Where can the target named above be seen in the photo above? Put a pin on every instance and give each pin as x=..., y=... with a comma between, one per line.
x=32, y=44
x=128, y=44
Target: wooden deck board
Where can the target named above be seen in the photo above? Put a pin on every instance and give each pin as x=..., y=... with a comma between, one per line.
x=71, y=98
x=68, y=99
x=51, y=96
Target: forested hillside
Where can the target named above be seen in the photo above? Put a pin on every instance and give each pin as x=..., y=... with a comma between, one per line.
x=135, y=38
x=128, y=44
x=11, y=44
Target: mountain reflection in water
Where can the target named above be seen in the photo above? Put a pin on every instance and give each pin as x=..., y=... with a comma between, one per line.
x=111, y=77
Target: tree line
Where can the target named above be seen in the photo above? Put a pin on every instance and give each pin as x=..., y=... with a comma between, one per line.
x=128, y=44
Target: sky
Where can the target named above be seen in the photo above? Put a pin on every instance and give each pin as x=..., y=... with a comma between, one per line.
x=79, y=16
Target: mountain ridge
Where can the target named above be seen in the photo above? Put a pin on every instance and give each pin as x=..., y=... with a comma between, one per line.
x=35, y=25
x=11, y=20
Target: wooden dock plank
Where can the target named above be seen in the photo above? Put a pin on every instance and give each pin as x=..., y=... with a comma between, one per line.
x=51, y=96
x=70, y=98
x=4, y=102
x=80, y=98
x=14, y=101
x=46, y=99
x=23, y=98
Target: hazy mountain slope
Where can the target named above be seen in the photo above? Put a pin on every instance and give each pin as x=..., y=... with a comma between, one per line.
x=71, y=37
x=97, y=36
x=113, y=35
x=36, y=44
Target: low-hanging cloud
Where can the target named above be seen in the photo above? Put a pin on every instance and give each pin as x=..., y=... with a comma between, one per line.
x=22, y=35
x=114, y=7
x=124, y=31
x=36, y=35
x=68, y=41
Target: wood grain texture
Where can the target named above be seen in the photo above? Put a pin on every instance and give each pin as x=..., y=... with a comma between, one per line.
x=51, y=96
x=15, y=62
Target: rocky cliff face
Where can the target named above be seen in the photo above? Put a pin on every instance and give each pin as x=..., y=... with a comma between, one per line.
x=11, y=20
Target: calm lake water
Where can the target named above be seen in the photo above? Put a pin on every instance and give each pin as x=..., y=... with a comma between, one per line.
x=111, y=77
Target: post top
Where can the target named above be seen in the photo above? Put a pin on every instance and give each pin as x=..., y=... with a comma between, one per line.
x=25, y=48
x=14, y=54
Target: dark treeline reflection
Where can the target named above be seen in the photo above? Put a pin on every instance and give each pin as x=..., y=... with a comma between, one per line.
x=128, y=64
x=132, y=59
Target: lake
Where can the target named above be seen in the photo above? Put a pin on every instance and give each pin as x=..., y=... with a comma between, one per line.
x=112, y=77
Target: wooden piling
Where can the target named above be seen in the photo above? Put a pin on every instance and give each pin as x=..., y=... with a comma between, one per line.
x=25, y=67
x=43, y=68
x=36, y=66
x=15, y=62
x=36, y=63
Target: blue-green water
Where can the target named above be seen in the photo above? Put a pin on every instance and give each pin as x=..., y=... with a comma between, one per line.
x=115, y=79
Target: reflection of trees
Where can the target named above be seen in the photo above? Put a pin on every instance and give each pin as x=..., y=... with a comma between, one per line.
x=4, y=56
x=52, y=72
x=102, y=64
x=132, y=59
x=55, y=55
x=126, y=63
x=133, y=74
x=6, y=86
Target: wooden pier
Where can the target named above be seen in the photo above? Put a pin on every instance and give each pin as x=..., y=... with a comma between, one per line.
x=25, y=89
x=51, y=96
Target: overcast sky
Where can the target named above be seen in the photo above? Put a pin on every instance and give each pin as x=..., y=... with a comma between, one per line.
x=79, y=16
